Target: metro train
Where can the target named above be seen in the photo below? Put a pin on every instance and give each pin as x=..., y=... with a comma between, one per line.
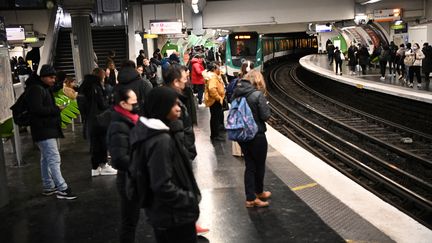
x=250, y=46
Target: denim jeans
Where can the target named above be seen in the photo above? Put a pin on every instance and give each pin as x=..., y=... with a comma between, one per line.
x=50, y=165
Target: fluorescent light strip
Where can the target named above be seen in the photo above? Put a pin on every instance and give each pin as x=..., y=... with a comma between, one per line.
x=370, y=1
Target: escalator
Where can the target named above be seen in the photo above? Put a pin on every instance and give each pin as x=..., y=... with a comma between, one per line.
x=104, y=40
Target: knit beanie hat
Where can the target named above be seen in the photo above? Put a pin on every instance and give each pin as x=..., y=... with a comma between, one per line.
x=47, y=70
x=159, y=102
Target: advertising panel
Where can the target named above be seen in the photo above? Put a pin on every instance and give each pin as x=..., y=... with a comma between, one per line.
x=15, y=34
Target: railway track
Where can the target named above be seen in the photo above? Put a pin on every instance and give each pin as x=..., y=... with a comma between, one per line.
x=391, y=160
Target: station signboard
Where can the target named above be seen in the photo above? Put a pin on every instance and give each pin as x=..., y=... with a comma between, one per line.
x=160, y=27
x=321, y=28
x=387, y=15
x=15, y=34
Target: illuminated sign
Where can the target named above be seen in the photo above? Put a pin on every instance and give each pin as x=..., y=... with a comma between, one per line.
x=150, y=36
x=242, y=37
x=160, y=27
x=387, y=15
x=323, y=28
x=31, y=40
x=15, y=34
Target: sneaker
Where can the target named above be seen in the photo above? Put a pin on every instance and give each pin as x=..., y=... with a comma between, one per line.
x=257, y=203
x=410, y=85
x=354, y=73
x=200, y=230
x=382, y=78
x=400, y=77
x=419, y=85
x=264, y=195
x=108, y=170
x=96, y=172
x=49, y=191
x=66, y=194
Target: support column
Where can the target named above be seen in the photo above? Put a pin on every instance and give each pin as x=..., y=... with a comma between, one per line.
x=197, y=24
x=82, y=38
x=134, y=24
x=82, y=43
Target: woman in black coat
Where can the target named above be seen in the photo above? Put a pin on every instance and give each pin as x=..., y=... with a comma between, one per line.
x=252, y=87
x=123, y=119
x=363, y=57
x=97, y=102
x=352, y=58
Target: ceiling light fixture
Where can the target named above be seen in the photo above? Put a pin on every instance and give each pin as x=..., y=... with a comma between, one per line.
x=370, y=1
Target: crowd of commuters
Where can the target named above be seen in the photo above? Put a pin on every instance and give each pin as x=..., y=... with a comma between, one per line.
x=405, y=61
x=132, y=116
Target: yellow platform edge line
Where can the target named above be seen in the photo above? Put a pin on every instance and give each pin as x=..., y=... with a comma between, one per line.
x=298, y=188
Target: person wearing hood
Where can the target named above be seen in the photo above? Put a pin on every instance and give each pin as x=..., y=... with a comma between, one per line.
x=157, y=140
x=197, y=78
x=176, y=78
x=214, y=98
x=123, y=119
x=252, y=87
x=129, y=78
x=45, y=123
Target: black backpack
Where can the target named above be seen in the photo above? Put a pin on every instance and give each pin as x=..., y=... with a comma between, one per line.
x=138, y=180
x=20, y=111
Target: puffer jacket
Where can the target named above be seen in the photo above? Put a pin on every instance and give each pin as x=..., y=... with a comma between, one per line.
x=45, y=119
x=419, y=56
x=197, y=71
x=256, y=101
x=118, y=141
x=129, y=78
x=214, y=89
x=174, y=192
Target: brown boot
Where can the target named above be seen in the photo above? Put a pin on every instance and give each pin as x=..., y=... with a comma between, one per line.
x=264, y=195
x=257, y=203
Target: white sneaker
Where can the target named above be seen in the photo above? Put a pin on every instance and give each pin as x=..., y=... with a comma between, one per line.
x=382, y=78
x=419, y=86
x=410, y=85
x=96, y=172
x=354, y=73
x=108, y=170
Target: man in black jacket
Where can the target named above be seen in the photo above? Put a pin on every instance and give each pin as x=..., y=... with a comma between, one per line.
x=45, y=124
x=175, y=77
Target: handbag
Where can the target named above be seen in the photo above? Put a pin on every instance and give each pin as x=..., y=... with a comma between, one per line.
x=409, y=60
x=104, y=119
x=225, y=105
x=342, y=56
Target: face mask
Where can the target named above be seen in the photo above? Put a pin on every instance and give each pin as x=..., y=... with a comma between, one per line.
x=414, y=48
x=135, y=108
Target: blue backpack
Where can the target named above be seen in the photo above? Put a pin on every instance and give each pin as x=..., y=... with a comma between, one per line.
x=241, y=126
x=230, y=88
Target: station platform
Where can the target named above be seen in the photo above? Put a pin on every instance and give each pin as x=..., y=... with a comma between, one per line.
x=319, y=64
x=311, y=201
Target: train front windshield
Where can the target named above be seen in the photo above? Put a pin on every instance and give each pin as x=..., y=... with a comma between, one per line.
x=244, y=45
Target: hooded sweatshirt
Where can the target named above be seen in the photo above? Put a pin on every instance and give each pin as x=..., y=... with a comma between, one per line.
x=174, y=192
x=256, y=101
x=129, y=78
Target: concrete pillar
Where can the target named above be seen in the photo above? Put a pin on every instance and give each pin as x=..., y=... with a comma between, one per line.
x=197, y=24
x=134, y=24
x=81, y=35
x=4, y=193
